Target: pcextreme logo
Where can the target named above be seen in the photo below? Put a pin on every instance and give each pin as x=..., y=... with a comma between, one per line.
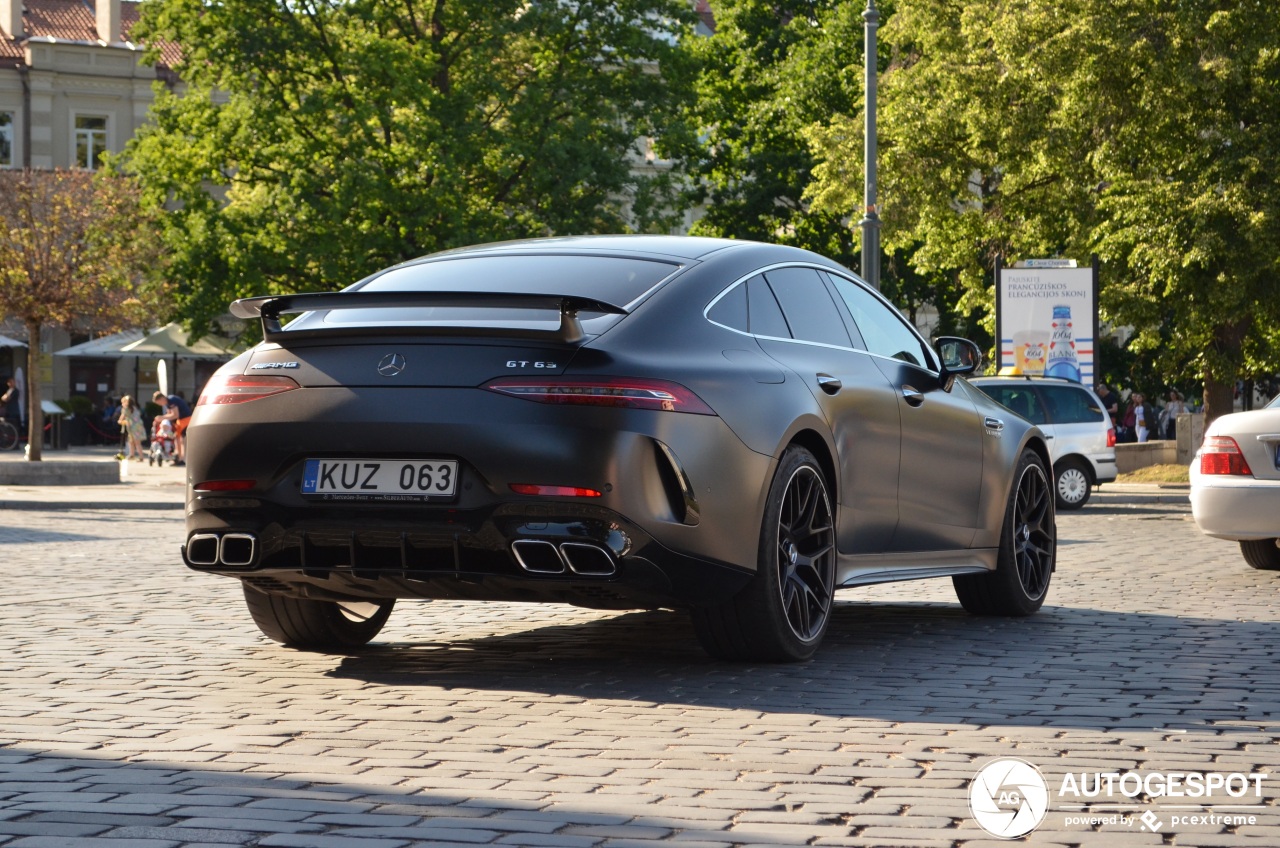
x=1009, y=798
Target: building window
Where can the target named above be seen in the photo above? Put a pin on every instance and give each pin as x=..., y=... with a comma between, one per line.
x=91, y=141
x=6, y=139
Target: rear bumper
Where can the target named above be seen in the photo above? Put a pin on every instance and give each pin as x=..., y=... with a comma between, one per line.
x=568, y=553
x=1236, y=508
x=1105, y=468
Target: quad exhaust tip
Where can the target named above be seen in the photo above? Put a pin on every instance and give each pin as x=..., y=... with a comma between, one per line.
x=538, y=556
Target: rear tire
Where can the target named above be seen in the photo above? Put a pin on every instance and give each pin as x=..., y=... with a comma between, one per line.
x=782, y=614
x=316, y=625
x=1261, y=553
x=1072, y=484
x=1028, y=549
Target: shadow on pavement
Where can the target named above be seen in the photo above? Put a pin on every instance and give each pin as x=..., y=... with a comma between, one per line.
x=1065, y=667
x=66, y=800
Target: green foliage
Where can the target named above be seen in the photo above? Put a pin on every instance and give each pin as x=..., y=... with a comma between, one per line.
x=770, y=70
x=978, y=156
x=320, y=141
x=1192, y=202
x=1141, y=130
x=76, y=405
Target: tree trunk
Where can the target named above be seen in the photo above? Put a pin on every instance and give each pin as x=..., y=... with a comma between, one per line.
x=1219, y=395
x=35, y=414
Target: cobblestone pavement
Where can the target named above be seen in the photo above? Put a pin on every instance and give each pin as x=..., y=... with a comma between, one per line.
x=139, y=707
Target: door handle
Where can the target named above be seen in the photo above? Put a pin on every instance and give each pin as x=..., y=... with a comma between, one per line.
x=829, y=384
x=912, y=395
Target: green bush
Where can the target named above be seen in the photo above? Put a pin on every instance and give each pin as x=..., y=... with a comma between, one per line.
x=76, y=405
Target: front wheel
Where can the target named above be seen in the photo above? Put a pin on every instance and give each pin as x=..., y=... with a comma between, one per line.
x=1261, y=553
x=783, y=612
x=316, y=625
x=1028, y=547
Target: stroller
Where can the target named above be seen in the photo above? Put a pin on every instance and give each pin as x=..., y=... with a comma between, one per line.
x=162, y=443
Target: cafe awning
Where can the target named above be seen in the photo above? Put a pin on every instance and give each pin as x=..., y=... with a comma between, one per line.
x=171, y=340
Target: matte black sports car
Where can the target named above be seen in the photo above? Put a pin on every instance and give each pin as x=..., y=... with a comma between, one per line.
x=732, y=428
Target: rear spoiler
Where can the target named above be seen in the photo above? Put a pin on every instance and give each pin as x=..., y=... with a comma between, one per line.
x=271, y=307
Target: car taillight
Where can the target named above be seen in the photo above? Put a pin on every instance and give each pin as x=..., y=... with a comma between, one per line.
x=1221, y=455
x=1111, y=437
x=238, y=388
x=224, y=485
x=553, y=491
x=622, y=392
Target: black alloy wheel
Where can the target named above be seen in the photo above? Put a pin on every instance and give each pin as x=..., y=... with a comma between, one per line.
x=1034, y=532
x=806, y=554
x=783, y=612
x=1028, y=549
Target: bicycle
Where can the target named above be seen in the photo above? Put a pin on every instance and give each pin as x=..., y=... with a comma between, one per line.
x=8, y=435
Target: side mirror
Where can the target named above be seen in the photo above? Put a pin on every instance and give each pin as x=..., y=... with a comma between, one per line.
x=959, y=356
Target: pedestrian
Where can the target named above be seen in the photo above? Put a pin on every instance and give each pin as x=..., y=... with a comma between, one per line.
x=11, y=403
x=1110, y=403
x=1137, y=418
x=131, y=426
x=1169, y=417
x=175, y=409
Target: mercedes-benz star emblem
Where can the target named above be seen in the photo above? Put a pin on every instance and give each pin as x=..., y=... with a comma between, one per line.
x=391, y=365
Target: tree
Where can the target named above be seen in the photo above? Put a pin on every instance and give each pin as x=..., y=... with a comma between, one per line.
x=979, y=157
x=74, y=252
x=1137, y=129
x=321, y=140
x=769, y=71
x=1189, y=130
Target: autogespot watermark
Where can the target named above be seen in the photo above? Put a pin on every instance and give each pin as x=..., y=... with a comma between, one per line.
x=1010, y=798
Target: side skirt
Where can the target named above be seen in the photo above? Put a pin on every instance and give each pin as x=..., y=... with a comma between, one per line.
x=868, y=569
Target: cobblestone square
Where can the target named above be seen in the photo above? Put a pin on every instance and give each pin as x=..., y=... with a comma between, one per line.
x=139, y=706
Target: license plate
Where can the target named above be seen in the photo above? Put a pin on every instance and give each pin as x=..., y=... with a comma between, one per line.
x=380, y=479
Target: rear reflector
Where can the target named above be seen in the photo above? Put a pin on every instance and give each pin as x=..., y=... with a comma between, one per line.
x=238, y=388
x=553, y=491
x=1221, y=455
x=618, y=392
x=224, y=485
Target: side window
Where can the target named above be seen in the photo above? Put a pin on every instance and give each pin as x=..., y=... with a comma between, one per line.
x=883, y=330
x=90, y=141
x=1021, y=399
x=731, y=310
x=1068, y=405
x=810, y=311
x=764, y=316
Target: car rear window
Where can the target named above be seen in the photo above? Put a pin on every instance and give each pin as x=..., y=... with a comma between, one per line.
x=1069, y=405
x=616, y=280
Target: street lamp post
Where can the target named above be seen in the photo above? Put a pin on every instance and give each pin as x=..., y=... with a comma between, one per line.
x=870, y=222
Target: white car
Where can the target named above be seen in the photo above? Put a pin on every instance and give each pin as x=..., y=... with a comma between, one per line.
x=1235, y=483
x=1082, y=442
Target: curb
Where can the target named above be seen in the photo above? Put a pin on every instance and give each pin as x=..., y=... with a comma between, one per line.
x=63, y=473
x=64, y=506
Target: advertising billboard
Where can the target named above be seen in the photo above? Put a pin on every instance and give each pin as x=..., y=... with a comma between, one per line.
x=1047, y=318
